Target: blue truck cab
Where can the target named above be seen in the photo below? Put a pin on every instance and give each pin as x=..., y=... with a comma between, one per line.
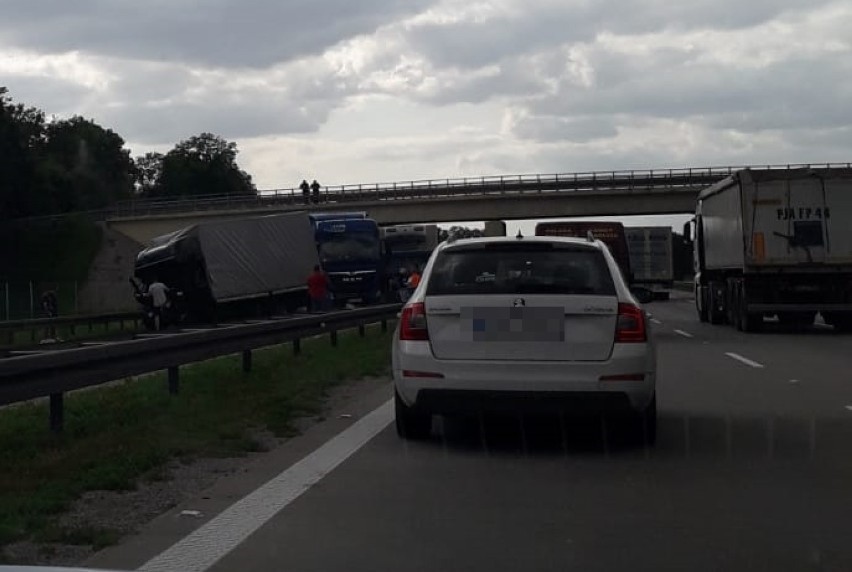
x=349, y=248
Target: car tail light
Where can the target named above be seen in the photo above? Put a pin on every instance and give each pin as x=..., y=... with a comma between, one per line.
x=412, y=323
x=630, y=327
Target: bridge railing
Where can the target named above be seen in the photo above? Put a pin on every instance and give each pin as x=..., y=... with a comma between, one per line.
x=620, y=180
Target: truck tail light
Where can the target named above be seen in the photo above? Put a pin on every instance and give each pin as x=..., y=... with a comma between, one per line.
x=759, y=242
x=630, y=326
x=412, y=323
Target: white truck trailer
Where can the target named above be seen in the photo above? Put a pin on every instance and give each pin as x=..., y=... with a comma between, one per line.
x=775, y=242
x=651, y=261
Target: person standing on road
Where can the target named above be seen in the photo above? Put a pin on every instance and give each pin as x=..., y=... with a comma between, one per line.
x=414, y=279
x=159, y=299
x=318, y=290
x=315, y=188
x=306, y=191
x=50, y=305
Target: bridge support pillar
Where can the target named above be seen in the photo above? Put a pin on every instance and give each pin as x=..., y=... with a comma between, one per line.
x=495, y=228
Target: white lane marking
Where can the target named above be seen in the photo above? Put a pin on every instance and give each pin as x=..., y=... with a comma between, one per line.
x=794, y=381
x=744, y=360
x=656, y=321
x=213, y=540
x=684, y=334
x=849, y=407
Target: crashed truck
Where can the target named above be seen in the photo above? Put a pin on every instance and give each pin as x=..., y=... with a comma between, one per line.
x=234, y=267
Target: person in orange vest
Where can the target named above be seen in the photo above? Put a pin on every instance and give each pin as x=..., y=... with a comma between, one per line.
x=414, y=279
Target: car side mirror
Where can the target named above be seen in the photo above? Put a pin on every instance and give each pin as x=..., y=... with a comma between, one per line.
x=642, y=295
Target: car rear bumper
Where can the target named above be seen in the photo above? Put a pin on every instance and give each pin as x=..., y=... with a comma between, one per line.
x=458, y=385
x=465, y=401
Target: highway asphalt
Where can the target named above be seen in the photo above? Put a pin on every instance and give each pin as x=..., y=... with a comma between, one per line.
x=752, y=471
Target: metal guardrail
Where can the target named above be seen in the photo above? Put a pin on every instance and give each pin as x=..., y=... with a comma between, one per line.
x=56, y=372
x=625, y=180
x=9, y=328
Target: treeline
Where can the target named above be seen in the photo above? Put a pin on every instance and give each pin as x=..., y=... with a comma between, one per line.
x=58, y=166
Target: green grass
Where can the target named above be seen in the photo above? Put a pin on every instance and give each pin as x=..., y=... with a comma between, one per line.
x=115, y=435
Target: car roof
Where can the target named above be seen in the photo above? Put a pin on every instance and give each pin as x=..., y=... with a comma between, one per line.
x=449, y=243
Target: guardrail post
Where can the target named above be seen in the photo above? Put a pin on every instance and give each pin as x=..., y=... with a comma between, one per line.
x=297, y=346
x=174, y=380
x=384, y=326
x=57, y=412
x=246, y=361
x=361, y=330
x=333, y=335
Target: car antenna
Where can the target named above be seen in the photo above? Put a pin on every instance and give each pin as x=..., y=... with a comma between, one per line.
x=519, y=235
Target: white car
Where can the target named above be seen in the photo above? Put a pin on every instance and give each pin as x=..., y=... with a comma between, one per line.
x=531, y=323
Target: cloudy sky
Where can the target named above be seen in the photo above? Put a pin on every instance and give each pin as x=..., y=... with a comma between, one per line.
x=380, y=90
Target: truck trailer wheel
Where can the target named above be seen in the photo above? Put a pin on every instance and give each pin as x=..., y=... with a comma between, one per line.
x=796, y=319
x=841, y=322
x=746, y=321
x=701, y=304
x=716, y=303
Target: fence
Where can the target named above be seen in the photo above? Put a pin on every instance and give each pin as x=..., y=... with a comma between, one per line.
x=21, y=300
x=54, y=373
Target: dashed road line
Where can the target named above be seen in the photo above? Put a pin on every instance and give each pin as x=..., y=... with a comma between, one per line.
x=744, y=360
x=794, y=381
x=213, y=540
x=656, y=321
x=849, y=408
x=684, y=334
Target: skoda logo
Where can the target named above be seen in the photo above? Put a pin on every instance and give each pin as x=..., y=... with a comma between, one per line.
x=519, y=302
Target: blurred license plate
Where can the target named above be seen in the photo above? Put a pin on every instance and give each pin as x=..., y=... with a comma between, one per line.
x=501, y=324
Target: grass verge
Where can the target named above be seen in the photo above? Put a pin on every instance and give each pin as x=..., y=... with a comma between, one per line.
x=114, y=435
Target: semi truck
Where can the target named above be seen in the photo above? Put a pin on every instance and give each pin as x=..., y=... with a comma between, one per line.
x=404, y=248
x=651, y=260
x=224, y=267
x=408, y=245
x=610, y=233
x=349, y=247
x=775, y=243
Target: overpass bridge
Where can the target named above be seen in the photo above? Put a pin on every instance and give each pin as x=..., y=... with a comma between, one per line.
x=600, y=193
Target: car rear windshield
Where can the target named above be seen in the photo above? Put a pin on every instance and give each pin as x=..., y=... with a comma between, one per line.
x=542, y=268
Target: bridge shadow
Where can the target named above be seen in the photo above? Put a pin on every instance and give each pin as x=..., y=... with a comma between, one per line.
x=680, y=437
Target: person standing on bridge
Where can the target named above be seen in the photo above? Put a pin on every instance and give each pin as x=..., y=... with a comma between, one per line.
x=306, y=191
x=315, y=188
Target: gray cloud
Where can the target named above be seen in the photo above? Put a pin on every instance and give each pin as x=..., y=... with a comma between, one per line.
x=789, y=93
x=575, y=129
x=472, y=44
x=51, y=95
x=213, y=33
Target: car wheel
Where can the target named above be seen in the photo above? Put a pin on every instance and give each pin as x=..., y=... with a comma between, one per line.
x=410, y=423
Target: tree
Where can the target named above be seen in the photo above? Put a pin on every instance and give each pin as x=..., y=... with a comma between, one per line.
x=149, y=171
x=201, y=165
x=460, y=232
x=83, y=166
x=19, y=131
